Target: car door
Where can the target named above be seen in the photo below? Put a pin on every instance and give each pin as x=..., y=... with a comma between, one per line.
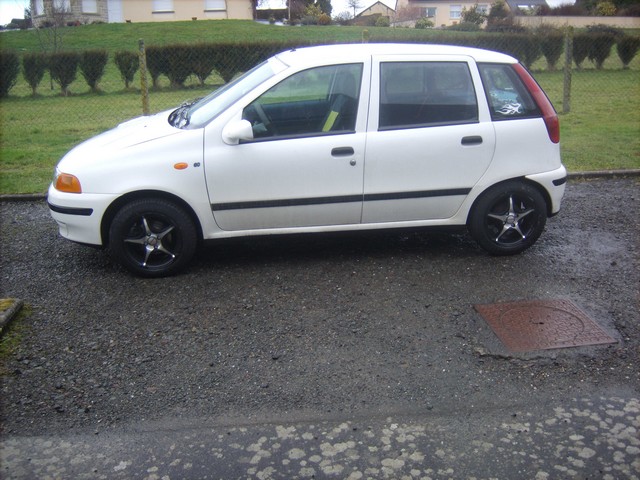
x=304, y=165
x=430, y=139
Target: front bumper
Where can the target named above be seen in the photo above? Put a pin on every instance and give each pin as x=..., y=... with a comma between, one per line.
x=79, y=215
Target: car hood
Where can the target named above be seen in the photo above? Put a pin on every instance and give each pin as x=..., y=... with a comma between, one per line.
x=128, y=134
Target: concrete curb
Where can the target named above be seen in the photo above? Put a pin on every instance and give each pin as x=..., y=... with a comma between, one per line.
x=8, y=313
x=34, y=197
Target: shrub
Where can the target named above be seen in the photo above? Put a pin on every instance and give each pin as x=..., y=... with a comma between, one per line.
x=472, y=15
x=606, y=9
x=465, y=27
x=608, y=29
x=203, y=61
x=524, y=47
x=424, y=23
x=383, y=21
x=601, y=48
x=128, y=64
x=33, y=67
x=324, y=19
x=581, y=46
x=628, y=47
x=551, y=45
x=179, y=64
x=92, y=64
x=9, y=69
x=63, y=67
x=157, y=63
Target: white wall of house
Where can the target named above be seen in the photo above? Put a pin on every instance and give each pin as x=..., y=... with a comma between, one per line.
x=113, y=11
x=443, y=13
x=172, y=10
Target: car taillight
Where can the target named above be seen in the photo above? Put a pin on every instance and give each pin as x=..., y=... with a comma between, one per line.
x=549, y=114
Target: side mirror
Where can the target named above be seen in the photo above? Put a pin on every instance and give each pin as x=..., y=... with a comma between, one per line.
x=237, y=130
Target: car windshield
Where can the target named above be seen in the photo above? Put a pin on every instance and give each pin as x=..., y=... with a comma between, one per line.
x=197, y=114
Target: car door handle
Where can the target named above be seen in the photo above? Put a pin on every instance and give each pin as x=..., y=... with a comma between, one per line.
x=472, y=140
x=342, y=151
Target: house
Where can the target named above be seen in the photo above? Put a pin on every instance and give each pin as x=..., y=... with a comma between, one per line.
x=89, y=11
x=378, y=8
x=442, y=12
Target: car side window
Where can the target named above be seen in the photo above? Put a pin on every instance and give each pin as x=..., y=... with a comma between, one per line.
x=317, y=101
x=507, y=95
x=423, y=94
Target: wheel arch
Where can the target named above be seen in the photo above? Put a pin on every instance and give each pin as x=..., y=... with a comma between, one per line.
x=541, y=190
x=121, y=201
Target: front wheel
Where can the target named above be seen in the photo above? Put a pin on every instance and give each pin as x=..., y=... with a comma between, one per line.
x=152, y=237
x=508, y=218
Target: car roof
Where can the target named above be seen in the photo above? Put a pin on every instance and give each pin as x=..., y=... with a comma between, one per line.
x=349, y=52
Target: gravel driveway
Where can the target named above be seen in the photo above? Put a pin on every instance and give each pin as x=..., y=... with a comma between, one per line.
x=322, y=326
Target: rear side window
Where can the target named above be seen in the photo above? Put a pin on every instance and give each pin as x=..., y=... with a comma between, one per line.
x=423, y=94
x=508, y=97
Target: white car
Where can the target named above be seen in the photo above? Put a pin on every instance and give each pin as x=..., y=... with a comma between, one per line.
x=320, y=139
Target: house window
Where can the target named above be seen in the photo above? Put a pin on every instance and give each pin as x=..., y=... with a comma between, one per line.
x=210, y=5
x=455, y=11
x=484, y=9
x=429, y=12
x=62, y=5
x=89, y=6
x=39, y=7
x=162, y=6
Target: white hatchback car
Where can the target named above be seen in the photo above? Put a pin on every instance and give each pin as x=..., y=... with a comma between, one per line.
x=319, y=139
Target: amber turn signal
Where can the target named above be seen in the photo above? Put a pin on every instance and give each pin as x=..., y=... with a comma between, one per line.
x=180, y=166
x=66, y=182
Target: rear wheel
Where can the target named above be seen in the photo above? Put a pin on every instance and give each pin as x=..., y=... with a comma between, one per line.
x=152, y=237
x=508, y=218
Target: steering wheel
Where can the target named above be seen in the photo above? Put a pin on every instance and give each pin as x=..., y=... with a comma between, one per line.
x=264, y=119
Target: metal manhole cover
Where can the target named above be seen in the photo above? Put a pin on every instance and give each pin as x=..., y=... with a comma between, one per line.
x=542, y=325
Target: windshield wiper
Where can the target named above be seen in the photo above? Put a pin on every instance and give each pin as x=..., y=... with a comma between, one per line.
x=179, y=118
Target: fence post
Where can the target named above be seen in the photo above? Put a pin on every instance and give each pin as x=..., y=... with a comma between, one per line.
x=144, y=84
x=568, y=62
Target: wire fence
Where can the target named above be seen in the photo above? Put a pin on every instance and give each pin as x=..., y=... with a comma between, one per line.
x=115, y=85
x=60, y=99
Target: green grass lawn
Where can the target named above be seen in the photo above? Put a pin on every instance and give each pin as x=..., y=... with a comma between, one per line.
x=601, y=132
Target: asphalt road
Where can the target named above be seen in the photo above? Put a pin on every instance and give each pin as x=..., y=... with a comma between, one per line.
x=327, y=356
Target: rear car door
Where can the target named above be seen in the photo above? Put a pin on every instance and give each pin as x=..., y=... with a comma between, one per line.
x=430, y=137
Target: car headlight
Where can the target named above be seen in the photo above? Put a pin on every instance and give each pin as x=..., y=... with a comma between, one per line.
x=65, y=182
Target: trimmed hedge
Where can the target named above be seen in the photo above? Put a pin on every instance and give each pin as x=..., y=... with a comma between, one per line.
x=627, y=49
x=34, y=66
x=128, y=64
x=63, y=67
x=9, y=70
x=181, y=61
x=92, y=65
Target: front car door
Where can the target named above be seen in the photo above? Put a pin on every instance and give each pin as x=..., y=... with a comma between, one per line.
x=430, y=139
x=305, y=164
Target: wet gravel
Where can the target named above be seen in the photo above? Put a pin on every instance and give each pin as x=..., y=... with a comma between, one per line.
x=342, y=324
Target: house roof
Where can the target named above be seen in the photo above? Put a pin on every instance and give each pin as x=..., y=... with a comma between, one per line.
x=386, y=3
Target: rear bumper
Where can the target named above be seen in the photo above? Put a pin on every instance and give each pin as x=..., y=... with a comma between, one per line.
x=554, y=182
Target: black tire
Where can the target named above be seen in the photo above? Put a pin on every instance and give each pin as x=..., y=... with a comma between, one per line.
x=152, y=237
x=508, y=218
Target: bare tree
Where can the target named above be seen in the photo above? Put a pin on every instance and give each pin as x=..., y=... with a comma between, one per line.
x=50, y=31
x=355, y=4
